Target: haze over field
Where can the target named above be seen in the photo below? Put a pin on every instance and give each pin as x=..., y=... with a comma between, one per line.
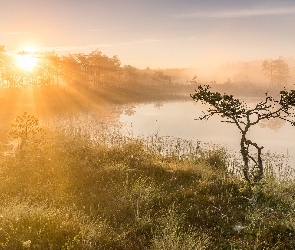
x=147, y=124
x=156, y=34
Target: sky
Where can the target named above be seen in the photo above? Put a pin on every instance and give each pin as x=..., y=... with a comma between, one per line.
x=153, y=33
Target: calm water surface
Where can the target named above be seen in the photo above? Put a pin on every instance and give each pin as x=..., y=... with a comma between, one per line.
x=177, y=119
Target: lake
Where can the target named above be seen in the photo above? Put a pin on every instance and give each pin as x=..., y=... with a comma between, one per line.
x=177, y=119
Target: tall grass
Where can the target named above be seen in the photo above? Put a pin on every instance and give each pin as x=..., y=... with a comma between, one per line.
x=100, y=189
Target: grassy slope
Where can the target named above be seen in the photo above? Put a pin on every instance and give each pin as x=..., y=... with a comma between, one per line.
x=70, y=193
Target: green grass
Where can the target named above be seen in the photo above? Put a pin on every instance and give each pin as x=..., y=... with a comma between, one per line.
x=67, y=191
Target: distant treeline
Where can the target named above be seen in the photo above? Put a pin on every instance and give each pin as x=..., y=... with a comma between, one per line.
x=81, y=82
x=104, y=77
x=83, y=69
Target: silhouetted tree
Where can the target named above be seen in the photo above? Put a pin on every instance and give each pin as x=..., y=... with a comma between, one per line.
x=8, y=74
x=277, y=71
x=102, y=67
x=160, y=78
x=25, y=128
x=131, y=74
x=239, y=113
x=51, y=64
x=71, y=70
x=2, y=59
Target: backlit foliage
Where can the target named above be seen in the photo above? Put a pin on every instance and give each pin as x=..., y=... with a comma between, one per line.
x=80, y=69
x=25, y=129
x=239, y=113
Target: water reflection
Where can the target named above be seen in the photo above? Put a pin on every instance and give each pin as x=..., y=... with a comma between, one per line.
x=274, y=124
x=178, y=119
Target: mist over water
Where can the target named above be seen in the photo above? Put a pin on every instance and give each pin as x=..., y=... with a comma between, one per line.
x=177, y=119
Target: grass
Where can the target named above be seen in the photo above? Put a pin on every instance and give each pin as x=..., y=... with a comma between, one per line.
x=68, y=191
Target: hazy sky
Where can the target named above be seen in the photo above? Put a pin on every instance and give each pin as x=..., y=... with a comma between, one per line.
x=155, y=33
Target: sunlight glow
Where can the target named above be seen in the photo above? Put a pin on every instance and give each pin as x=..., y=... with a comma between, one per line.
x=26, y=61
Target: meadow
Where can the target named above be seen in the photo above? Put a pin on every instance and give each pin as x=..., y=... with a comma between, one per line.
x=82, y=185
x=66, y=189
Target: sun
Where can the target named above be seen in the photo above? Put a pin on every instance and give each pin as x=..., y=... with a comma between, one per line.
x=26, y=60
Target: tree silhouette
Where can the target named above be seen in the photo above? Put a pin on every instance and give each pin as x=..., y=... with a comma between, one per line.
x=239, y=113
x=24, y=129
x=277, y=71
x=2, y=59
x=161, y=78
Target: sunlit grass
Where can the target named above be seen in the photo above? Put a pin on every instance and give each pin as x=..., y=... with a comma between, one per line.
x=96, y=188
